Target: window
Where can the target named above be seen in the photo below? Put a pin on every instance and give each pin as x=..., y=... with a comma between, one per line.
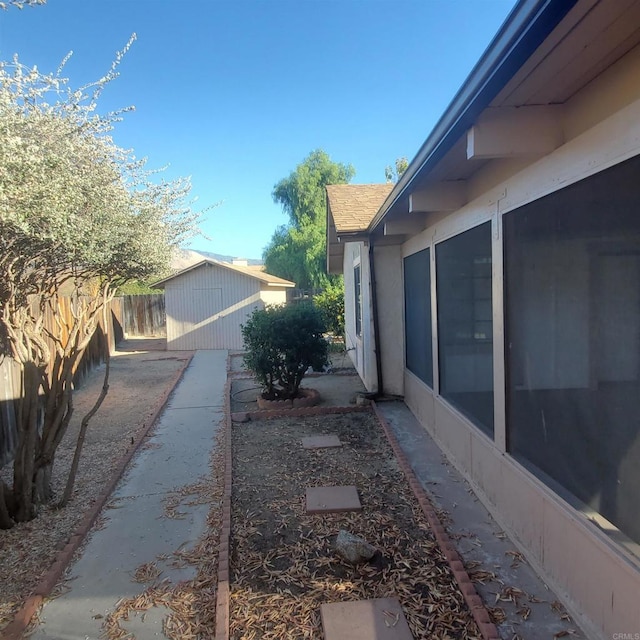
x=357, y=299
x=465, y=324
x=417, y=315
x=572, y=305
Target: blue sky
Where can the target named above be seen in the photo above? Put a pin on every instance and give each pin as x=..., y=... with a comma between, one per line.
x=236, y=93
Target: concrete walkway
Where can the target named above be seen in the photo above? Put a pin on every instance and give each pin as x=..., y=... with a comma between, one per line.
x=137, y=530
x=531, y=609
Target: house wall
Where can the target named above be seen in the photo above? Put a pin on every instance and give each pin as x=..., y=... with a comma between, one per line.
x=206, y=306
x=570, y=548
x=360, y=348
x=388, y=264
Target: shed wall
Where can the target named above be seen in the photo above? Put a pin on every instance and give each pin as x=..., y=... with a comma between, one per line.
x=206, y=306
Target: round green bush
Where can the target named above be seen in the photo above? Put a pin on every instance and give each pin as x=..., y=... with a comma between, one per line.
x=281, y=343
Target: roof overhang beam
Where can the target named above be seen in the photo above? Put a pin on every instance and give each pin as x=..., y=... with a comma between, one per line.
x=442, y=196
x=405, y=225
x=512, y=132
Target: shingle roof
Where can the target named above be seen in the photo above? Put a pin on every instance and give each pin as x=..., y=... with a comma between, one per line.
x=250, y=271
x=256, y=271
x=353, y=206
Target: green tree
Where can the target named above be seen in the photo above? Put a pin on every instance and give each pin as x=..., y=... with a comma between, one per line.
x=393, y=174
x=78, y=215
x=297, y=251
x=331, y=303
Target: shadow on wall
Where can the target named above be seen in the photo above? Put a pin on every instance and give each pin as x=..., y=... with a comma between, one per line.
x=209, y=325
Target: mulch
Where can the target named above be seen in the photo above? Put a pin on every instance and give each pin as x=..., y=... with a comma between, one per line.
x=282, y=563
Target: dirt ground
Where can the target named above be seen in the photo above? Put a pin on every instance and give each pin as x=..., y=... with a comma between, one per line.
x=283, y=565
x=337, y=390
x=141, y=372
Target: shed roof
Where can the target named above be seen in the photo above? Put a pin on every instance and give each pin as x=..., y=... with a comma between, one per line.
x=251, y=271
x=353, y=206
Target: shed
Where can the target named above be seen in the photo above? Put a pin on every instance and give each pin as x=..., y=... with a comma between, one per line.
x=207, y=303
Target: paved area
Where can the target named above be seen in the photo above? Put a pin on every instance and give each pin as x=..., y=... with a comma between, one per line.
x=321, y=442
x=137, y=530
x=532, y=610
x=377, y=619
x=333, y=499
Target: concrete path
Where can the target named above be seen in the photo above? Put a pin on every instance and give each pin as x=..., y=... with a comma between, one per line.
x=532, y=610
x=137, y=530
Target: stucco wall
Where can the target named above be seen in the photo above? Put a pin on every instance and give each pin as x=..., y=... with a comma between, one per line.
x=272, y=295
x=360, y=349
x=388, y=265
x=563, y=545
x=598, y=579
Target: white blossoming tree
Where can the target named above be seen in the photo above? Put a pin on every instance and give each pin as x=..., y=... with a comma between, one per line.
x=80, y=216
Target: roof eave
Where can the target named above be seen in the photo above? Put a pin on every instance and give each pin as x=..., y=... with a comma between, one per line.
x=353, y=235
x=526, y=27
x=160, y=283
x=216, y=263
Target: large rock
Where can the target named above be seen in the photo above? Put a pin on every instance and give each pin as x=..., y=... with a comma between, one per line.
x=353, y=548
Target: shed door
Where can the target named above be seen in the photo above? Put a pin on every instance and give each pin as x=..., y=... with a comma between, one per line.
x=207, y=304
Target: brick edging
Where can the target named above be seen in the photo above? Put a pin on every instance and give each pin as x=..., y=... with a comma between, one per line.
x=247, y=375
x=477, y=607
x=222, y=591
x=16, y=628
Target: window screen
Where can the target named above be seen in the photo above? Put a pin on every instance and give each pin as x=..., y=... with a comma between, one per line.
x=572, y=302
x=417, y=315
x=465, y=326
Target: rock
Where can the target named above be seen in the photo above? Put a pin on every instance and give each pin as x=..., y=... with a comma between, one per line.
x=353, y=548
x=362, y=401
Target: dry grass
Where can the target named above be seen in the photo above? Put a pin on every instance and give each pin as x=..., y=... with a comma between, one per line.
x=283, y=565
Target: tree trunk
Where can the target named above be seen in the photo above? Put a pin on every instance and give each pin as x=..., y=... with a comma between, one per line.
x=6, y=521
x=24, y=464
x=42, y=491
x=68, y=490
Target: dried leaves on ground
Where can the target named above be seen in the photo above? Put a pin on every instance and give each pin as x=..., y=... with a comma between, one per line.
x=29, y=549
x=283, y=564
x=189, y=606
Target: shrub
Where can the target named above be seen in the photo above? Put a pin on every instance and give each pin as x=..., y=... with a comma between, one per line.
x=281, y=343
x=331, y=303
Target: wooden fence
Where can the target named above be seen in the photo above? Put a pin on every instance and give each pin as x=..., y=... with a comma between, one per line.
x=299, y=295
x=10, y=382
x=144, y=315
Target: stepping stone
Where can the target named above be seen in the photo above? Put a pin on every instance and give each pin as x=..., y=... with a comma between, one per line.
x=321, y=442
x=378, y=619
x=332, y=499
